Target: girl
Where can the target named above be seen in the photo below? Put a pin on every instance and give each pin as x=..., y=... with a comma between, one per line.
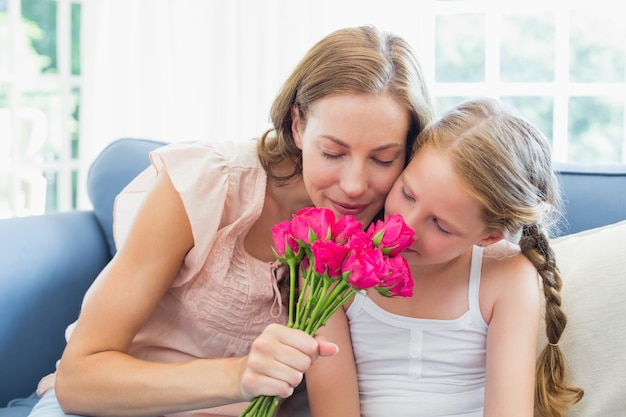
x=186, y=319
x=479, y=193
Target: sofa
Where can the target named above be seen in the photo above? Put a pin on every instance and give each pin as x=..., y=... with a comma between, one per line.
x=48, y=261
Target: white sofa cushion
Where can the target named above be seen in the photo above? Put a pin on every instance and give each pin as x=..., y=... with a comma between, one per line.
x=593, y=268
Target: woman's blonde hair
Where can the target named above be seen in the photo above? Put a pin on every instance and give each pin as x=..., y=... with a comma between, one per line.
x=506, y=162
x=359, y=60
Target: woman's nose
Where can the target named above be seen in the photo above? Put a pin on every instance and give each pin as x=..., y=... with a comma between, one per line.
x=354, y=181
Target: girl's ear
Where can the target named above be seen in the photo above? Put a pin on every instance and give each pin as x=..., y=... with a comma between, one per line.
x=296, y=125
x=490, y=239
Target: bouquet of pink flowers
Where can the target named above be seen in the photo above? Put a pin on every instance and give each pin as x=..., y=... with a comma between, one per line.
x=336, y=259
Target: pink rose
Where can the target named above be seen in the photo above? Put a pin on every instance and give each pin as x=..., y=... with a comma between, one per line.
x=328, y=257
x=359, y=241
x=399, y=281
x=345, y=227
x=284, y=243
x=392, y=235
x=366, y=268
x=313, y=223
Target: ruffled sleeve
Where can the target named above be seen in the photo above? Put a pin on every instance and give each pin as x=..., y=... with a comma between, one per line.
x=204, y=175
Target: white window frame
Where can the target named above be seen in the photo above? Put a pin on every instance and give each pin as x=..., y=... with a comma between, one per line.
x=561, y=90
x=60, y=132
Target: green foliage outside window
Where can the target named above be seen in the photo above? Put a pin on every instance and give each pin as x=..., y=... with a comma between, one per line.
x=527, y=47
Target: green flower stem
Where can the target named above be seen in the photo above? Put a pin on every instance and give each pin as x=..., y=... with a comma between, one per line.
x=300, y=311
x=316, y=310
x=293, y=265
x=327, y=314
x=338, y=290
x=314, y=288
x=261, y=406
x=272, y=406
x=252, y=408
x=327, y=302
x=311, y=292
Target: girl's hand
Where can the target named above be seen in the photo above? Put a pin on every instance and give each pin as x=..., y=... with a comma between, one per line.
x=278, y=359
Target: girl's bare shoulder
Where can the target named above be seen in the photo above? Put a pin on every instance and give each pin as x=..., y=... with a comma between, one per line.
x=506, y=258
x=507, y=276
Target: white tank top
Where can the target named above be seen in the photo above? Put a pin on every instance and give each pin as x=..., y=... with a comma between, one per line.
x=420, y=367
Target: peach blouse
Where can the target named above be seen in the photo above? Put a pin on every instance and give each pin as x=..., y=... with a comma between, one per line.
x=222, y=297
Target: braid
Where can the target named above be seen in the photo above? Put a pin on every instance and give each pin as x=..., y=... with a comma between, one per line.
x=552, y=395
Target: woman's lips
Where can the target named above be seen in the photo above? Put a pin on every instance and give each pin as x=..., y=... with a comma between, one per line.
x=349, y=209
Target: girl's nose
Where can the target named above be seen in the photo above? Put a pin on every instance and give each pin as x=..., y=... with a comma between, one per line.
x=411, y=218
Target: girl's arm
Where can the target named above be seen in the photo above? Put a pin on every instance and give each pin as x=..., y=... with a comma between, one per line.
x=512, y=337
x=96, y=374
x=331, y=383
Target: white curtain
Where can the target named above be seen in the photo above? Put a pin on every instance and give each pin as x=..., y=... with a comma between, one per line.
x=204, y=69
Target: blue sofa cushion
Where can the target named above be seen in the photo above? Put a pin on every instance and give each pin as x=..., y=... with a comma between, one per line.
x=48, y=263
x=120, y=162
x=594, y=195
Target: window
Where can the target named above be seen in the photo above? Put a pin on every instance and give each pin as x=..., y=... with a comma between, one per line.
x=39, y=99
x=563, y=64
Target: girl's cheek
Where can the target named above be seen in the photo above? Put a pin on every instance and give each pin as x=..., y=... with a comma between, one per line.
x=391, y=206
x=403, y=207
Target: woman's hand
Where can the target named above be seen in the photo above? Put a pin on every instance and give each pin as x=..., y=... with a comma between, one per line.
x=278, y=359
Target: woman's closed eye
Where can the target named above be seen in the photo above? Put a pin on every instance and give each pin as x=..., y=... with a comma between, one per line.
x=383, y=163
x=331, y=156
x=377, y=161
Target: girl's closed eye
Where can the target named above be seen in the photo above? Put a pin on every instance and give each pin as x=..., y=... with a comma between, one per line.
x=440, y=227
x=406, y=194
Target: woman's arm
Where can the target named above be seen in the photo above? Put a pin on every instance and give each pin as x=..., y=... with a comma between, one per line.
x=332, y=385
x=512, y=338
x=96, y=375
